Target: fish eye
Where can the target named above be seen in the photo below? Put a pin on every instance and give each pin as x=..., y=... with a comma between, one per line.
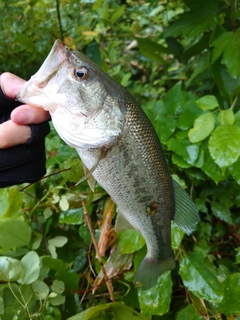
x=81, y=73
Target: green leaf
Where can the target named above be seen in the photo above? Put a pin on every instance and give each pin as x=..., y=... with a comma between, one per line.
x=238, y=255
x=224, y=145
x=156, y=300
x=58, y=286
x=151, y=50
x=14, y=202
x=227, y=86
x=189, y=313
x=31, y=266
x=176, y=236
x=54, y=264
x=202, y=128
x=222, y=211
x=72, y=216
x=10, y=269
x=207, y=102
x=57, y=300
x=125, y=79
x=58, y=241
x=117, y=14
x=116, y=310
x=84, y=233
x=1, y=305
x=175, y=100
x=231, y=302
x=69, y=277
x=234, y=171
x=196, y=21
x=226, y=117
x=188, y=115
x=14, y=233
x=130, y=241
x=183, y=148
x=228, y=45
x=40, y=289
x=211, y=169
x=179, y=161
x=199, y=279
x=63, y=203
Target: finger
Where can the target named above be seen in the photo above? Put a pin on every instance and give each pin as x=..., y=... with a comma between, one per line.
x=26, y=114
x=11, y=84
x=12, y=134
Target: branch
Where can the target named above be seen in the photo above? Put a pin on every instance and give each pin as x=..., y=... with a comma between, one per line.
x=59, y=19
x=89, y=224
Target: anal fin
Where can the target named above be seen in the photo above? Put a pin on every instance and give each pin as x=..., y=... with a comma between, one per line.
x=122, y=223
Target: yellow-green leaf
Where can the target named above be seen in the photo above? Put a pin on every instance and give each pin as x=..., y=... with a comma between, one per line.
x=202, y=128
x=224, y=145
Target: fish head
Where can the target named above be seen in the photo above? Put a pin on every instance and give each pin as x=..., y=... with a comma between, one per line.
x=85, y=103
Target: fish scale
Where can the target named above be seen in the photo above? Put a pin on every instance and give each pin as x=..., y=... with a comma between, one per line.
x=120, y=148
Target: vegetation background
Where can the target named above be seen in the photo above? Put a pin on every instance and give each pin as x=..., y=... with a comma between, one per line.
x=181, y=60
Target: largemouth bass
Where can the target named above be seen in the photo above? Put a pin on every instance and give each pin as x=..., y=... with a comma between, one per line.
x=118, y=147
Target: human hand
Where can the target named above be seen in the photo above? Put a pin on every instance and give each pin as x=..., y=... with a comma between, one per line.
x=22, y=136
x=16, y=130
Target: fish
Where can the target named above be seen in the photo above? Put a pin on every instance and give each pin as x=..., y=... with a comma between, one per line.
x=119, y=148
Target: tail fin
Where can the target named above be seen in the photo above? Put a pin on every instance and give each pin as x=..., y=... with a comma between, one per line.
x=150, y=269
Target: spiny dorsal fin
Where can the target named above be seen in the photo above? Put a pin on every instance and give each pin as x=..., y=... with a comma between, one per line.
x=186, y=214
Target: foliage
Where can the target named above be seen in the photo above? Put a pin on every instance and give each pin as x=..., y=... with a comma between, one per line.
x=180, y=59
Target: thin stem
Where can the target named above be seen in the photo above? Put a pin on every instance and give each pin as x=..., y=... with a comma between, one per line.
x=24, y=305
x=234, y=102
x=89, y=224
x=59, y=19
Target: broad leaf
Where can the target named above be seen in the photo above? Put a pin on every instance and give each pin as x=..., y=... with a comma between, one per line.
x=196, y=21
x=231, y=302
x=224, y=145
x=116, y=310
x=130, y=241
x=40, y=289
x=72, y=216
x=189, y=313
x=10, y=269
x=228, y=45
x=199, y=279
x=31, y=266
x=226, y=117
x=202, y=128
x=176, y=236
x=156, y=300
x=207, y=102
x=14, y=233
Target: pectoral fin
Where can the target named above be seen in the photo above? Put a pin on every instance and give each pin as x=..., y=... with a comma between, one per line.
x=91, y=181
x=88, y=176
x=186, y=215
x=88, y=173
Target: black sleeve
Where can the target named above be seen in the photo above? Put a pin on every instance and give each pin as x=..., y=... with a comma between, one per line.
x=25, y=162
